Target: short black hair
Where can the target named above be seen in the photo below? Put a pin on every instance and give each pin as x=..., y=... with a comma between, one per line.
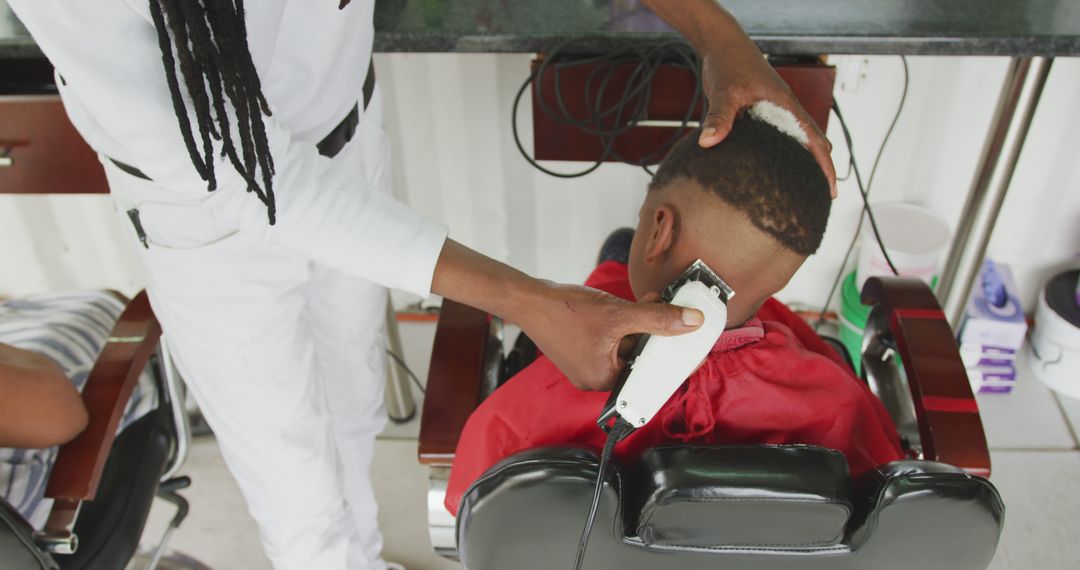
x=762, y=172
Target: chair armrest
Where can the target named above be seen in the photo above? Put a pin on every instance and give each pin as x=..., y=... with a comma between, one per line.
x=949, y=426
x=79, y=463
x=456, y=380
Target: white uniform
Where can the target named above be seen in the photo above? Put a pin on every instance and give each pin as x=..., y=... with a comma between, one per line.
x=277, y=330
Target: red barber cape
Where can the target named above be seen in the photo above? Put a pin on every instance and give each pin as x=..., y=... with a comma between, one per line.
x=770, y=381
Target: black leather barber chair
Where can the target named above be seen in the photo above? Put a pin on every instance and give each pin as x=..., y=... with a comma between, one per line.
x=732, y=507
x=102, y=483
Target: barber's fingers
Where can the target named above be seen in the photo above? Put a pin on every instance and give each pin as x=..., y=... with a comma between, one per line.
x=652, y=317
x=717, y=124
x=821, y=148
x=629, y=342
x=657, y=318
x=817, y=143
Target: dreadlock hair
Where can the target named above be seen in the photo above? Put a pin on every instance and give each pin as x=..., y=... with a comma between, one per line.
x=206, y=40
x=762, y=172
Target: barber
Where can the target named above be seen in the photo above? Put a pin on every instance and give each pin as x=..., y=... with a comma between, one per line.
x=271, y=287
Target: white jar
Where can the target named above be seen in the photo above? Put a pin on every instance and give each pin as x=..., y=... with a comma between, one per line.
x=914, y=236
x=1055, y=338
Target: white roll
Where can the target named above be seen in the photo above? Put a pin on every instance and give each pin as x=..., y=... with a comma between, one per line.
x=1055, y=338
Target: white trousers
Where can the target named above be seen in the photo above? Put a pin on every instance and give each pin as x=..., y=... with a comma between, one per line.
x=284, y=356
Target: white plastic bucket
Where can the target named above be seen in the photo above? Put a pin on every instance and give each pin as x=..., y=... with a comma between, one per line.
x=915, y=238
x=1055, y=338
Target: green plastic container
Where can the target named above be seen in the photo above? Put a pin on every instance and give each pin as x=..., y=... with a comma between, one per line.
x=853, y=317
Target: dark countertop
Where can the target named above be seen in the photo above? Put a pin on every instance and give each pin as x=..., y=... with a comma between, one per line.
x=931, y=27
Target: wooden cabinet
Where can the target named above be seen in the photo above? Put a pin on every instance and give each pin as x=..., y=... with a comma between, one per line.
x=671, y=95
x=41, y=152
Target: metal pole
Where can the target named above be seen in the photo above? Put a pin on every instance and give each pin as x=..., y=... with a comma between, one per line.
x=400, y=405
x=1020, y=93
x=176, y=395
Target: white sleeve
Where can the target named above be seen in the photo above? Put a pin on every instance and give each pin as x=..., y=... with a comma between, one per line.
x=337, y=219
x=118, y=98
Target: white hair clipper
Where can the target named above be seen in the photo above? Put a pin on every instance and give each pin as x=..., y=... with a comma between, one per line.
x=660, y=364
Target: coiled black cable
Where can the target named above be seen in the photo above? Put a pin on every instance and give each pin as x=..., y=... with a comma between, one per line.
x=617, y=433
x=606, y=119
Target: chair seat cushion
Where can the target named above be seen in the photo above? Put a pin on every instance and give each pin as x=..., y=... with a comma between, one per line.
x=741, y=497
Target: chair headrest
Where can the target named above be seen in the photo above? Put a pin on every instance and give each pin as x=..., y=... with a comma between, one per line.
x=907, y=514
x=753, y=496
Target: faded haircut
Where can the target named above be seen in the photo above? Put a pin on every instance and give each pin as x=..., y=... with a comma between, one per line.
x=761, y=172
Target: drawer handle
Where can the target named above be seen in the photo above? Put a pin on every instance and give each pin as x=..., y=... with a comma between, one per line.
x=661, y=123
x=5, y=157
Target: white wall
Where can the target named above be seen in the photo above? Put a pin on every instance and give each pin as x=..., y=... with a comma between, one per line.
x=449, y=120
x=933, y=154
x=59, y=242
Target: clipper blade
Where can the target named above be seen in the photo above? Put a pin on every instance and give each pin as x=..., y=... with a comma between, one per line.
x=699, y=271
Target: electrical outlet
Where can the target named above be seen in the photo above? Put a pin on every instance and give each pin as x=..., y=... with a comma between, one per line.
x=851, y=70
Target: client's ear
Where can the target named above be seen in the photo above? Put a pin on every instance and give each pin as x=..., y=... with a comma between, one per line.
x=662, y=237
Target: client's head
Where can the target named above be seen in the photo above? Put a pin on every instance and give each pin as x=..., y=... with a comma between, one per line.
x=752, y=207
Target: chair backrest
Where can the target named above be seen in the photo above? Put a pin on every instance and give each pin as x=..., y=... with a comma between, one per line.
x=120, y=471
x=109, y=528
x=741, y=508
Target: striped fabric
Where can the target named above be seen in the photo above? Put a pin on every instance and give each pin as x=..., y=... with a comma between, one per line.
x=70, y=328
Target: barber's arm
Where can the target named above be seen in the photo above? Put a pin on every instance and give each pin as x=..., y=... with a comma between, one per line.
x=39, y=407
x=578, y=328
x=734, y=73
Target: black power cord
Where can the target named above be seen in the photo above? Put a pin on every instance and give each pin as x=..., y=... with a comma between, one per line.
x=617, y=433
x=401, y=362
x=862, y=191
x=608, y=119
x=865, y=193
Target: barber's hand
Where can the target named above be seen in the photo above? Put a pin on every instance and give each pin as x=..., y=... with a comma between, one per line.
x=736, y=79
x=735, y=74
x=578, y=328
x=581, y=329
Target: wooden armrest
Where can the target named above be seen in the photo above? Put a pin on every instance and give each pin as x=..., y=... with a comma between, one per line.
x=455, y=380
x=948, y=416
x=79, y=463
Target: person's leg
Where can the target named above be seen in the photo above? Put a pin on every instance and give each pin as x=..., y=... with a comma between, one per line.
x=345, y=316
x=233, y=312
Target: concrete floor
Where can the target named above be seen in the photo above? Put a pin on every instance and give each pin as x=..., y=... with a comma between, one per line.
x=1033, y=435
